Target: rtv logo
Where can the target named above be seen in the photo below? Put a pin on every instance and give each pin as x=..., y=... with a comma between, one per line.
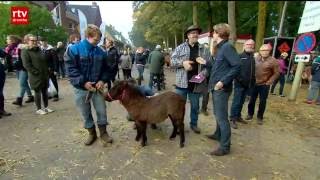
x=19, y=15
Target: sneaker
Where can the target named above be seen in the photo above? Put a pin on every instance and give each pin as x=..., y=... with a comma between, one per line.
x=47, y=110
x=219, y=152
x=282, y=95
x=308, y=101
x=41, y=112
x=273, y=93
x=249, y=118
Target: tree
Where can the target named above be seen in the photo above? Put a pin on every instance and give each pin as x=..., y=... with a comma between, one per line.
x=232, y=20
x=195, y=12
x=41, y=24
x=261, y=23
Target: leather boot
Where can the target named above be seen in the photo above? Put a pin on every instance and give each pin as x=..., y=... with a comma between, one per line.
x=18, y=101
x=104, y=136
x=92, y=136
x=30, y=99
x=233, y=123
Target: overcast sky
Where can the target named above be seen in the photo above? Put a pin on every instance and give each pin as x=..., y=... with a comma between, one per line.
x=117, y=13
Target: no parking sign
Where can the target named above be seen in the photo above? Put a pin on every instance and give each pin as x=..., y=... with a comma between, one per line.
x=305, y=43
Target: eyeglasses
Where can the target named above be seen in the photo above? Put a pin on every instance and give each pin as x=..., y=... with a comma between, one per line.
x=33, y=40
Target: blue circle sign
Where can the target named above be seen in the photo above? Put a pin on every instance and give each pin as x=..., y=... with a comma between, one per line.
x=305, y=43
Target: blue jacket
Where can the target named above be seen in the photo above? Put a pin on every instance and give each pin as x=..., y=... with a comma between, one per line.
x=85, y=63
x=225, y=67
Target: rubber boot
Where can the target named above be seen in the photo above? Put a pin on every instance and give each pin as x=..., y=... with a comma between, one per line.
x=92, y=136
x=30, y=99
x=104, y=136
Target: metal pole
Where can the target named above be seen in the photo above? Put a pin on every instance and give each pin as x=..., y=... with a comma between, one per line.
x=282, y=19
x=296, y=82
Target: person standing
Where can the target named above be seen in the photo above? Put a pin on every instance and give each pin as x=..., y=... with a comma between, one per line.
x=37, y=66
x=112, y=60
x=60, y=49
x=225, y=68
x=156, y=61
x=86, y=65
x=141, y=59
x=243, y=83
x=2, y=82
x=315, y=82
x=188, y=63
x=126, y=64
x=282, y=79
x=267, y=71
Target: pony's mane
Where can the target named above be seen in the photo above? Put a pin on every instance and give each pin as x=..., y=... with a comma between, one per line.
x=134, y=90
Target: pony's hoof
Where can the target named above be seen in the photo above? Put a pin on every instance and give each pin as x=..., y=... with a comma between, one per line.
x=181, y=145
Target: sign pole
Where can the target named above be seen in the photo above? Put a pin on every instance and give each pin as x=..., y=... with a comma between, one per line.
x=296, y=82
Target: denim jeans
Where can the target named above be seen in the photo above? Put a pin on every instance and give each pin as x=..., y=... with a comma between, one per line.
x=262, y=91
x=85, y=108
x=282, y=80
x=239, y=96
x=61, y=69
x=314, y=90
x=220, y=110
x=194, y=102
x=205, y=101
x=23, y=83
x=140, y=69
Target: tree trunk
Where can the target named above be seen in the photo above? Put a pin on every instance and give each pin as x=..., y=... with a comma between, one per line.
x=175, y=40
x=209, y=14
x=232, y=21
x=283, y=14
x=167, y=42
x=261, y=23
x=195, y=12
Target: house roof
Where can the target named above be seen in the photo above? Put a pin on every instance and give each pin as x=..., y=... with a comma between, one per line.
x=91, y=12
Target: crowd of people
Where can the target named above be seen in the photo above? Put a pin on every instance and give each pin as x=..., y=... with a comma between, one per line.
x=200, y=71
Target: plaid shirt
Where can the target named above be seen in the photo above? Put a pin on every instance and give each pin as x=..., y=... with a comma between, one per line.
x=180, y=54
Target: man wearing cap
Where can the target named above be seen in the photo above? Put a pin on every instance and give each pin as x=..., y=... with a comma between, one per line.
x=189, y=62
x=156, y=61
x=267, y=71
x=282, y=70
x=243, y=83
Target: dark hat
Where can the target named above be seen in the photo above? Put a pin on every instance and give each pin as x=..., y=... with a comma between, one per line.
x=192, y=28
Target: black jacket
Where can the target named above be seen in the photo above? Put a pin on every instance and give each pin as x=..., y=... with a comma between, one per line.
x=141, y=58
x=113, y=59
x=247, y=71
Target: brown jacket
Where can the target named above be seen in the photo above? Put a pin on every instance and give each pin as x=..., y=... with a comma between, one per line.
x=266, y=71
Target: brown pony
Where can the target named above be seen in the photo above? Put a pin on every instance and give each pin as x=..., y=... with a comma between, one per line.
x=150, y=110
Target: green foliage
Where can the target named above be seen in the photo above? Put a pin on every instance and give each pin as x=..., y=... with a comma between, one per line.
x=40, y=24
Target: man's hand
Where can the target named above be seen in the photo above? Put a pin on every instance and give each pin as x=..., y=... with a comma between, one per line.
x=100, y=85
x=200, y=60
x=187, y=65
x=89, y=86
x=218, y=86
x=268, y=83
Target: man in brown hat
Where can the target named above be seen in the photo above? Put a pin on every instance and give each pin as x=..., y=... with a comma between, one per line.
x=189, y=62
x=267, y=71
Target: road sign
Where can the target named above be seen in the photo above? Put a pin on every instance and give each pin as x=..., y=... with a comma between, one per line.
x=302, y=58
x=305, y=43
x=284, y=47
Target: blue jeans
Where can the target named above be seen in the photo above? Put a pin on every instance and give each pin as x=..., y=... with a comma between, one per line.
x=85, y=108
x=239, y=96
x=313, y=91
x=262, y=91
x=282, y=80
x=23, y=82
x=140, y=69
x=220, y=109
x=194, y=102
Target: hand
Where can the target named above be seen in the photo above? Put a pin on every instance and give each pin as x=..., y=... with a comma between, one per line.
x=89, y=86
x=187, y=65
x=218, y=86
x=268, y=83
x=100, y=85
x=200, y=60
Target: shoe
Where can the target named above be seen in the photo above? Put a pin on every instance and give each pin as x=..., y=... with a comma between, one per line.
x=281, y=95
x=30, y=99
x=92, y=136
x=219, y=152
x=249, y=118
x=153, y=126
x=18, y=101
x=273, y=93
x=241, y=120
x=41, y=112
x=308, y=101
x=195, y=129
x=212, y=136
x=260, y=122
x=233, y=124
x=55, y=99
x=204, y=112
x=47, y=110
x=4, y=113
x=104, y=136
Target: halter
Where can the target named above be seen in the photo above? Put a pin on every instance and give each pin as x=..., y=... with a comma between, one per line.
x=121, y=96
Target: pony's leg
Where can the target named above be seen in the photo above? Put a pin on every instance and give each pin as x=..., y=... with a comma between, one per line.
x=181, y=130
x=138, y=126
x=175, y=127
x=143, y=133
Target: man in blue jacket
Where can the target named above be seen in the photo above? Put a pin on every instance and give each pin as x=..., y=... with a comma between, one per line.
x=225, y=68
x=85, y=65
